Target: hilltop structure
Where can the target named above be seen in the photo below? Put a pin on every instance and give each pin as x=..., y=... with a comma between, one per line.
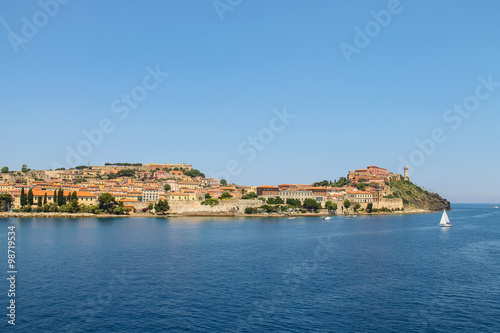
x=370, y=185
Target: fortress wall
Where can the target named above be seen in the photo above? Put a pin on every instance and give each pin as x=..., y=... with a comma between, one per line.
x=236, y=206
x=389, y=203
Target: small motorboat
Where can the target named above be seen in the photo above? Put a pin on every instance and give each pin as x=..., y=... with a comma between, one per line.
x=328, y=218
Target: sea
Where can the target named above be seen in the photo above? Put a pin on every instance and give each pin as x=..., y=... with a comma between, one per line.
x=399, y=273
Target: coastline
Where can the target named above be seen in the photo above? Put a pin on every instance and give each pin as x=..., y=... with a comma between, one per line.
x=135, y=215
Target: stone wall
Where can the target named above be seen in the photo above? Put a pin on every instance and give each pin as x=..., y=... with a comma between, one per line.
x=236, y=206
x=389, y=203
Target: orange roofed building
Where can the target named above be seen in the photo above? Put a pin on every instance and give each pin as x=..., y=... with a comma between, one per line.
x=267, y=190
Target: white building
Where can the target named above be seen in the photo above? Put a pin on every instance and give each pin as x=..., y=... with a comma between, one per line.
x=151, y=194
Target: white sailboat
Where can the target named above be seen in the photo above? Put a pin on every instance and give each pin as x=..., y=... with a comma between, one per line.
x=445, y=221
x=494, y=202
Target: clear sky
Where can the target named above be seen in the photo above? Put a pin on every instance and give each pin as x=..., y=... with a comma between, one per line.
x=269, y=92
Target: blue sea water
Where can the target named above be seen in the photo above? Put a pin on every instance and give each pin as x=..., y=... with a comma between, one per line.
x=363, y=274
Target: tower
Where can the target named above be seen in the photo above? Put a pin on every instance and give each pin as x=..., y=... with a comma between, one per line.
x=406, y=173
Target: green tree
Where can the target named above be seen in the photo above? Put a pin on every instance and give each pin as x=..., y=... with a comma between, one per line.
x=210, y=202
x=5, y=169
x=268, y=208
x=5, y=201
x=251, y=195
x=323, y=183
x=250, y=210
x=208, y=196
x=311, y=204
x=60, y=197
x=39, y=203
x=167, y=187
x=343, y=181
x=223, y=182
x=150, y=206
x=107, y=203
x=52, y=207
x=30, y=197
x=24, y=198
x=162, y=207
x=73, y=206
x=275, y=201
x=74, y=196
x=357, y=206
x=45, y=199
x=329, y=205
x=194, y=173
x=119, y=209
x=25, y=168
x=347, y=204
x=294, y=202
x=369, y=207
x=361, y=186
x=225, y=195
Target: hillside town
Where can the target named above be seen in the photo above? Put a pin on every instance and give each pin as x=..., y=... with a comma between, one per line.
x=138, y=187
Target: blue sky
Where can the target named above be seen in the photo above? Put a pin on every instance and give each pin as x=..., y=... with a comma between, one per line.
x=228, y=78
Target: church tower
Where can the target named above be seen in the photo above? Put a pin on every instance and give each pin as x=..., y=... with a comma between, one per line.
x=406, y=173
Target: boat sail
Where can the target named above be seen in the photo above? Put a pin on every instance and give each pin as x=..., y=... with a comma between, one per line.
x=445, y=221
